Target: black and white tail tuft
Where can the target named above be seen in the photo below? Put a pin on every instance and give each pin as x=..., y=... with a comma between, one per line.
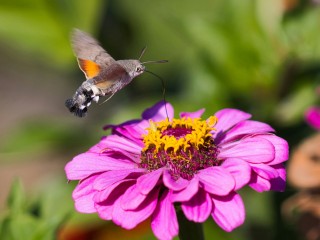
x=75, y=108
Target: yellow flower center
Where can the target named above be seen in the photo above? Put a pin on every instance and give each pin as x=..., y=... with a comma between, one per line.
x=184, y=145
x=178, y=134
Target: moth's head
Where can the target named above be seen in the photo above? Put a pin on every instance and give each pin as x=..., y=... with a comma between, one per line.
x=134, y=68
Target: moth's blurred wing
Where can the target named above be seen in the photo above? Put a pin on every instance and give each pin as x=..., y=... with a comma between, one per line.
x=91, y=56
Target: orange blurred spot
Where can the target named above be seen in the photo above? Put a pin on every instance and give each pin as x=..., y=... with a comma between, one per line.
x=90, y=68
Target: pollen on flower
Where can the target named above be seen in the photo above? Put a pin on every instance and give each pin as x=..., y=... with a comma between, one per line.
x=184, y=145
x=212, y=120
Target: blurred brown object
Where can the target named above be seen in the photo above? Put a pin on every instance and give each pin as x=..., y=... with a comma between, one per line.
x=304, y=165
x=103, y=231
x=290, y=4
x=303, y=209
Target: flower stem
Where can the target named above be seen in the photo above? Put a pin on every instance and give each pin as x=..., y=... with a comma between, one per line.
x=189, y=230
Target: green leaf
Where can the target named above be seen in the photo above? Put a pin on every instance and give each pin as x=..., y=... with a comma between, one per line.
x=16, y=199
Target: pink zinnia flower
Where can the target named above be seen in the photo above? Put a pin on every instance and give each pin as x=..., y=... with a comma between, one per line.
x=147, y=167
x=312, y=116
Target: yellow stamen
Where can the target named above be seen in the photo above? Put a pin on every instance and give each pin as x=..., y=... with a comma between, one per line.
x=161, y=134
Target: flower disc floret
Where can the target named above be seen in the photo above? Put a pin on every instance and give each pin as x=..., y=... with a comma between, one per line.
x=184, y=145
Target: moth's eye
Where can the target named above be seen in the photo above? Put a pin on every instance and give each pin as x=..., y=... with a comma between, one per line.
x=139, y=69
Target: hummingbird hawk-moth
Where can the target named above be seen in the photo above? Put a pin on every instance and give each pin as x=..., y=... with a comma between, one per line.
x=104, y=75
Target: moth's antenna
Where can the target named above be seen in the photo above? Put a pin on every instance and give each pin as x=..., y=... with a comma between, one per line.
x=157, y=61
x=163, y=90
x=142, y=52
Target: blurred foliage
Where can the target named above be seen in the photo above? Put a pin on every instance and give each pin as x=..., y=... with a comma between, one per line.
x=37, y=220
x=43, y=137
x=41, y=27
x=259, y=56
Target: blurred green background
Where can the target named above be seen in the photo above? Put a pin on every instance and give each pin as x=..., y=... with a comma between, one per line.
x=259, y=56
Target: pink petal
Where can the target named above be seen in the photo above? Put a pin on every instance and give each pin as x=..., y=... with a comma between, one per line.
x=312, y=116
x=228, y=211
x=199, y=207
x=158, y=112
x=172, y=184
x=196, y=114
x=115, y=142
x=132, y=198
x=239, y=169
x=104, y=180
x=247, y=127
x=105, y=211
x=131, y=133
x=99, y=147
x=140, y=127
x=148, y=181
x=216, y=180
x=135, y=128
x=164, y=221
x=227, y=118
x=87, y=164
x=254, y=150
x=281, y=148
x=105, y=207
x=122, y=154
x=108, y=193
x=265, y=171
x=124, y=125
x=279, y=183
x=83, y=196
x=130, y=219
x=187, y=193
x=85, y=204
x=259, y=184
